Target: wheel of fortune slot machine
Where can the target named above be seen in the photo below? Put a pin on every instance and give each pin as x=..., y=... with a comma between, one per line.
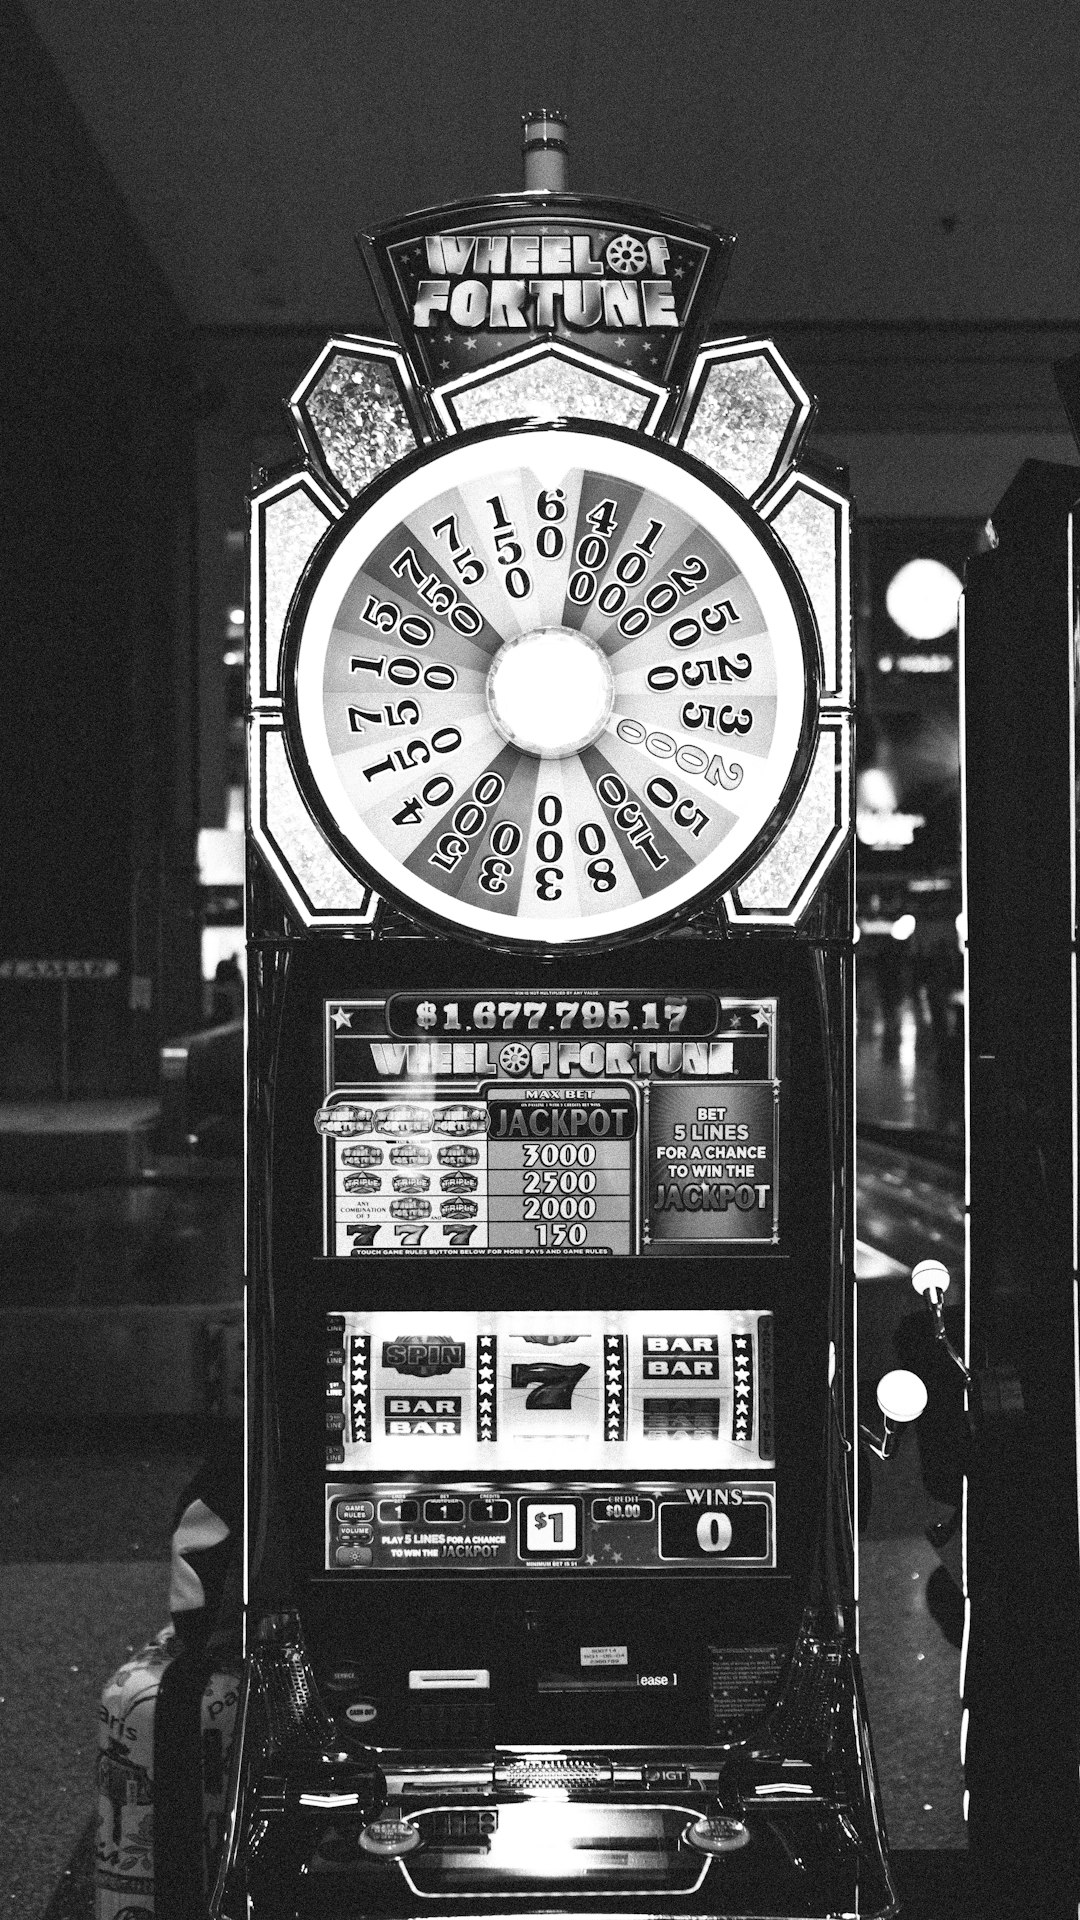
x=550, y=1562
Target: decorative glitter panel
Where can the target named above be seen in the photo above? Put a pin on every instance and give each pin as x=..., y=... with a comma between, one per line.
x=744, y=415
x=352, y=416
x=547, y=388
x=319, y=887
x=286, y=526
x=782, y=884
x=814, y=525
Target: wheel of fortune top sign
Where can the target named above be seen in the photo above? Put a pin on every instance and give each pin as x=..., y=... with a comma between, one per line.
x=550, y=685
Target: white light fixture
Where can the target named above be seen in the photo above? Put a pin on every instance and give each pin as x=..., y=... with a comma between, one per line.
x=903, y=928
x=901, y=1397
x=887, y=829
x=220, y=853
x=923, y=598
x=876, y=791
x=925, y=663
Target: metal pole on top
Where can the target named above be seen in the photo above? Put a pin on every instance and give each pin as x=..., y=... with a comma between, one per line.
x=545, y=149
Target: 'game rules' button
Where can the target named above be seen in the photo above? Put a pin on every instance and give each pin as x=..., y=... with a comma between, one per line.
x=348, y=1511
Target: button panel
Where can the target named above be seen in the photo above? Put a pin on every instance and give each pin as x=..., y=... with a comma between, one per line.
x=715, y=1525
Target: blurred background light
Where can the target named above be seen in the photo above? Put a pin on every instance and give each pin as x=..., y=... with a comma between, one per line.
x=922, y=598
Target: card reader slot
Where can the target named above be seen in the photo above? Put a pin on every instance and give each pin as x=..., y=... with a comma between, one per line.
x=449, y=1679
x=624, y=1843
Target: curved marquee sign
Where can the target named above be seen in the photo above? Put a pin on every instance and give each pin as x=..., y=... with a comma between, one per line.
x=550, y=685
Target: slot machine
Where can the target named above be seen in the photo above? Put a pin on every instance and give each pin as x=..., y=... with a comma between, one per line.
x=550, y=1575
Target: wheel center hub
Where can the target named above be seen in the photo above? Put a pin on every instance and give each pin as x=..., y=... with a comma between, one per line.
x=550, y=692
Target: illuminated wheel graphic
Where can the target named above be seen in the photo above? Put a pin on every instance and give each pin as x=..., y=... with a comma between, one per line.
x=624, y=254
x=550, y=684
x=515, y=1058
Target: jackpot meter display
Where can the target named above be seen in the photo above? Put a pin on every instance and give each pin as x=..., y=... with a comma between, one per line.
x=614, y=1124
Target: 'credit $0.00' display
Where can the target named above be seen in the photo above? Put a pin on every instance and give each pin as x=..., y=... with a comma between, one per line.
x=549, y=684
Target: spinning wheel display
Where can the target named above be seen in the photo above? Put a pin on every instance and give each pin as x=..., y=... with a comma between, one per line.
x=550, y=684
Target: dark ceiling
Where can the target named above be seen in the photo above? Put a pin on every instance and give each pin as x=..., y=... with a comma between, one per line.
x=881, y=160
